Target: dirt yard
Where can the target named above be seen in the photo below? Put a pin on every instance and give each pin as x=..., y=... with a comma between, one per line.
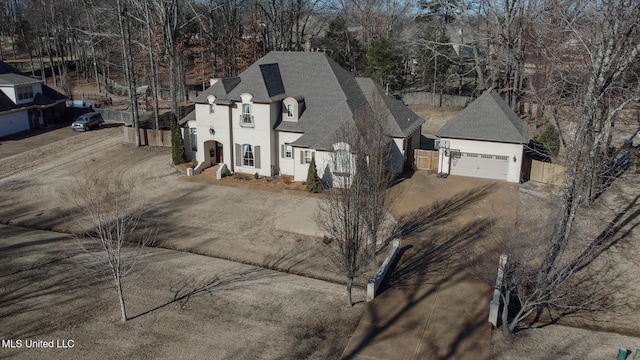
x=183, y=306
x=247, y=312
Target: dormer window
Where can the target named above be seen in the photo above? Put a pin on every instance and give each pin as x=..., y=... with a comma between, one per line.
x=24, y=92
x=212, y=103
x=292, y=108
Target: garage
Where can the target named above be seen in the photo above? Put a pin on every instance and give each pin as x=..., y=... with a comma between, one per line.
x=486, y=140
x=480, y=165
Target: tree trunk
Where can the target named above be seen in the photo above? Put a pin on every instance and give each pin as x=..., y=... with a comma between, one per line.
x=154, y=72
x=123, y=308
x=349, y=287
x=123, y=23
x=505, y=312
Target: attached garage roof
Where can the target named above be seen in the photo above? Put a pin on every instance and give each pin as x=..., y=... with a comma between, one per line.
x=488, y=118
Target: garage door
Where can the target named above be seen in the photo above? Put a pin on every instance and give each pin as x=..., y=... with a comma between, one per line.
x=481, y=165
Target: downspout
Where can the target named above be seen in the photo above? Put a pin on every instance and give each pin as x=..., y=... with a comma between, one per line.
x=232, y=163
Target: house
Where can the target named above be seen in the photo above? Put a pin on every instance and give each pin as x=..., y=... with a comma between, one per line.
x=485, y=140
x=285, y=110
x=26, y=103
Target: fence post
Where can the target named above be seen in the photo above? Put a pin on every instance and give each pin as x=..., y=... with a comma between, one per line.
x=494, y=304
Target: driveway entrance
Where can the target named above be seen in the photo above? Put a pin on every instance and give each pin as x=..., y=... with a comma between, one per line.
x=433, y=306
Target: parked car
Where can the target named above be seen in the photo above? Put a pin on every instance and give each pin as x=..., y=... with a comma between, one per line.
x=88, y=121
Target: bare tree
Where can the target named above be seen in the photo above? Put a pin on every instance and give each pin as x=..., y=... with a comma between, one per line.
x=375, y=146
x=574, y=289
x=341, y=213
x=114, y=238
x=609, y=38
x=354, y=214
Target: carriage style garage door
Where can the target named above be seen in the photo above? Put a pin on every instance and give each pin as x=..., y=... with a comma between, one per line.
x=481, y=165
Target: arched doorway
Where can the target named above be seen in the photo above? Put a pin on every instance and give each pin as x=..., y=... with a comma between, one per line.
x=213, y=152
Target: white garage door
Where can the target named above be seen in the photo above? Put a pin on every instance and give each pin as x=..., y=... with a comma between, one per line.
x=481, y=165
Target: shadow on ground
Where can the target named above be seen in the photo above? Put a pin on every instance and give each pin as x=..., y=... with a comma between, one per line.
x=431, y=272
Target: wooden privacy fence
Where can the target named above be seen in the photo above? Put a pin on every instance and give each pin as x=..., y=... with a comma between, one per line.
x=548, y=173
x=148, y=137
x=426, y=159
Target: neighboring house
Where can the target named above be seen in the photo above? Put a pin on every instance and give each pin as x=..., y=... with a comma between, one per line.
x=485, y=140
x=26, y=103
x=285, y=110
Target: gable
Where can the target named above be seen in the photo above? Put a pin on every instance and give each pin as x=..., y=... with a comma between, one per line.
x=488, y=118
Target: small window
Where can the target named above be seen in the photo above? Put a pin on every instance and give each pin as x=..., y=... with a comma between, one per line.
x=308, y=155
x=246, y=119
x=24, y=92
x=247, y=155
x=290, y=110
x=212, y=108
x=288, y=151
x=193, y=138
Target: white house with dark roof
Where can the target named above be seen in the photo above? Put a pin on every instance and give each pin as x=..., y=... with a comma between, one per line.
x=283, y=111
x=26, y=103
x=485, y=140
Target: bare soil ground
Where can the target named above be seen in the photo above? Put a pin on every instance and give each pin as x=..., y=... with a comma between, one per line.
x=265, y=314
x=182, y=306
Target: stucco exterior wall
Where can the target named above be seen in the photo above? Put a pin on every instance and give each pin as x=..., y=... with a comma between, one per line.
x=227, y=130
x=398, y=154
x=219, y=122
x=259, y=135
x=286, y=165
x=513, y=151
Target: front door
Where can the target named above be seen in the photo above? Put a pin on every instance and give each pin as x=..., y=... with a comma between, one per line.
x=219, y=156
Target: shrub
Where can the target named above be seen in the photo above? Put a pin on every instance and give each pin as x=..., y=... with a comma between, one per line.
x=549, y=140
x=313, y=183
x=177, y=143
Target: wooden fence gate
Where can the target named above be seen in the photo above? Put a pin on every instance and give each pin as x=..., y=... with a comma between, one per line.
x=426, y=159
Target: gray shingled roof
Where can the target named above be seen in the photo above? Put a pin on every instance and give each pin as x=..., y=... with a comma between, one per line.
x=401, y=120
x=220, y=90
x=190, y=116
x=331, y=95
x=16, y=79
x=488, y=118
